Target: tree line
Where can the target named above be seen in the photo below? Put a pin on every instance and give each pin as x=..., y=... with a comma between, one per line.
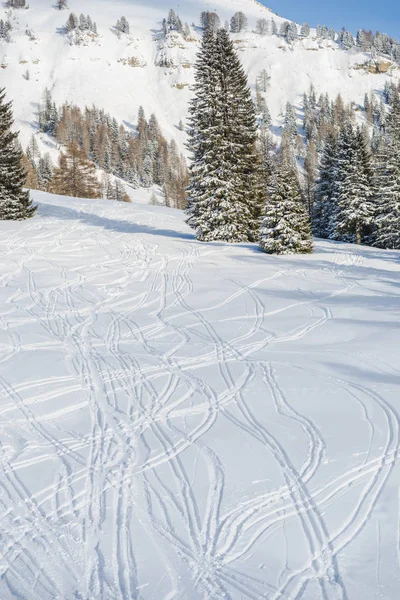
x=343, y=183
x=140, y=156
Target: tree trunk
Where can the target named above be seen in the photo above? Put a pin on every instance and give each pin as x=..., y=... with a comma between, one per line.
x=358, y=233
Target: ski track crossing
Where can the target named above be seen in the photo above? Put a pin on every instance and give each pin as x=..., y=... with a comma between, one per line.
x=182, y=421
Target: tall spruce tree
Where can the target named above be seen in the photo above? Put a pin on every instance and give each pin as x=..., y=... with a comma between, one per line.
x=15, y=203
x=225, y=188
x=285, y=227
x=353, y=189
x=324, y=209
x=387, y=183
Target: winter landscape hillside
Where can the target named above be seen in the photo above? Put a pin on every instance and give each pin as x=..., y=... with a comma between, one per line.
x=98, y=72
x=181, y=420
x=197, y=404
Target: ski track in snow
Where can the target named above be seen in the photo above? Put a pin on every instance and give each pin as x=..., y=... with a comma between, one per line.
x=186, y=421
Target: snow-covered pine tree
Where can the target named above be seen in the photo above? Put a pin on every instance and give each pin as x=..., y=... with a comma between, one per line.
x=45, y=171
x=290, y=125
x=267, y=151
x=225, y=189
x=309, y=119
x=353, y=191
x=15, y=203
x=305, y=30
x=48, y=116
x=285, y=226
x=310, y=175
x=324, y=207
x=387, y=183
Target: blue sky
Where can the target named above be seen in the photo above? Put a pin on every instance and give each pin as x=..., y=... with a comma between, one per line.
x=383, y=15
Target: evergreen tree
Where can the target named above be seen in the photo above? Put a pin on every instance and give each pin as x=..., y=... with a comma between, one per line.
x=285, y=227
x=48, y=116
x=15, y=203
x=291, y=33
x=305, y=30
x=310, y=175
x=45, y=171
x=290, y=126
x=123, y=25
x=387, y=183
x=324, y=209
x=225, y=195
x=353, y=190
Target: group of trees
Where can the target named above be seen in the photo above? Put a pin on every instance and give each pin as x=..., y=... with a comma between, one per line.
x=333, y=177
x=378, y=43
x=337, y=175
x=16, y=4
x=357, y=195
x=350, y=173
x=227, y=189
x=74, y=175
x=39, y=169
x=5, y=28
x=123, y=26
x=144, y=158
x=173, y=23
x=82, y=24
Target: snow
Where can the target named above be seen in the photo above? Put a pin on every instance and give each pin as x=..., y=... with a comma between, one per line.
x=181, y=420
x=99, y=74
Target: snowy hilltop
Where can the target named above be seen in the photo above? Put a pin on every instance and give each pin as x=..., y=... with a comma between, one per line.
x=103, y=65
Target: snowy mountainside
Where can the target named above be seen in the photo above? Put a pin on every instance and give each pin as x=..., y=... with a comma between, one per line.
x=189, y=421
x=120, y=73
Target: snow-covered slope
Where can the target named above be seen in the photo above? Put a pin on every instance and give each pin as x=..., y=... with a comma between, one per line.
x=99, y=73
x=188, y=421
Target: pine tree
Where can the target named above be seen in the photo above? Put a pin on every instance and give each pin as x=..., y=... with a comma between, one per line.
x=310, y=175
x=45, y=171
x=305, y=30
x=15, y=203
x=290, y=126
x=387, y=183
x=353, y=191
x=225, y=195
x=75, y=175
x=324, y=208
x=285, y=227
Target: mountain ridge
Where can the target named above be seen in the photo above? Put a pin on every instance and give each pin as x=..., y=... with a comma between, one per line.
x=119, y=74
